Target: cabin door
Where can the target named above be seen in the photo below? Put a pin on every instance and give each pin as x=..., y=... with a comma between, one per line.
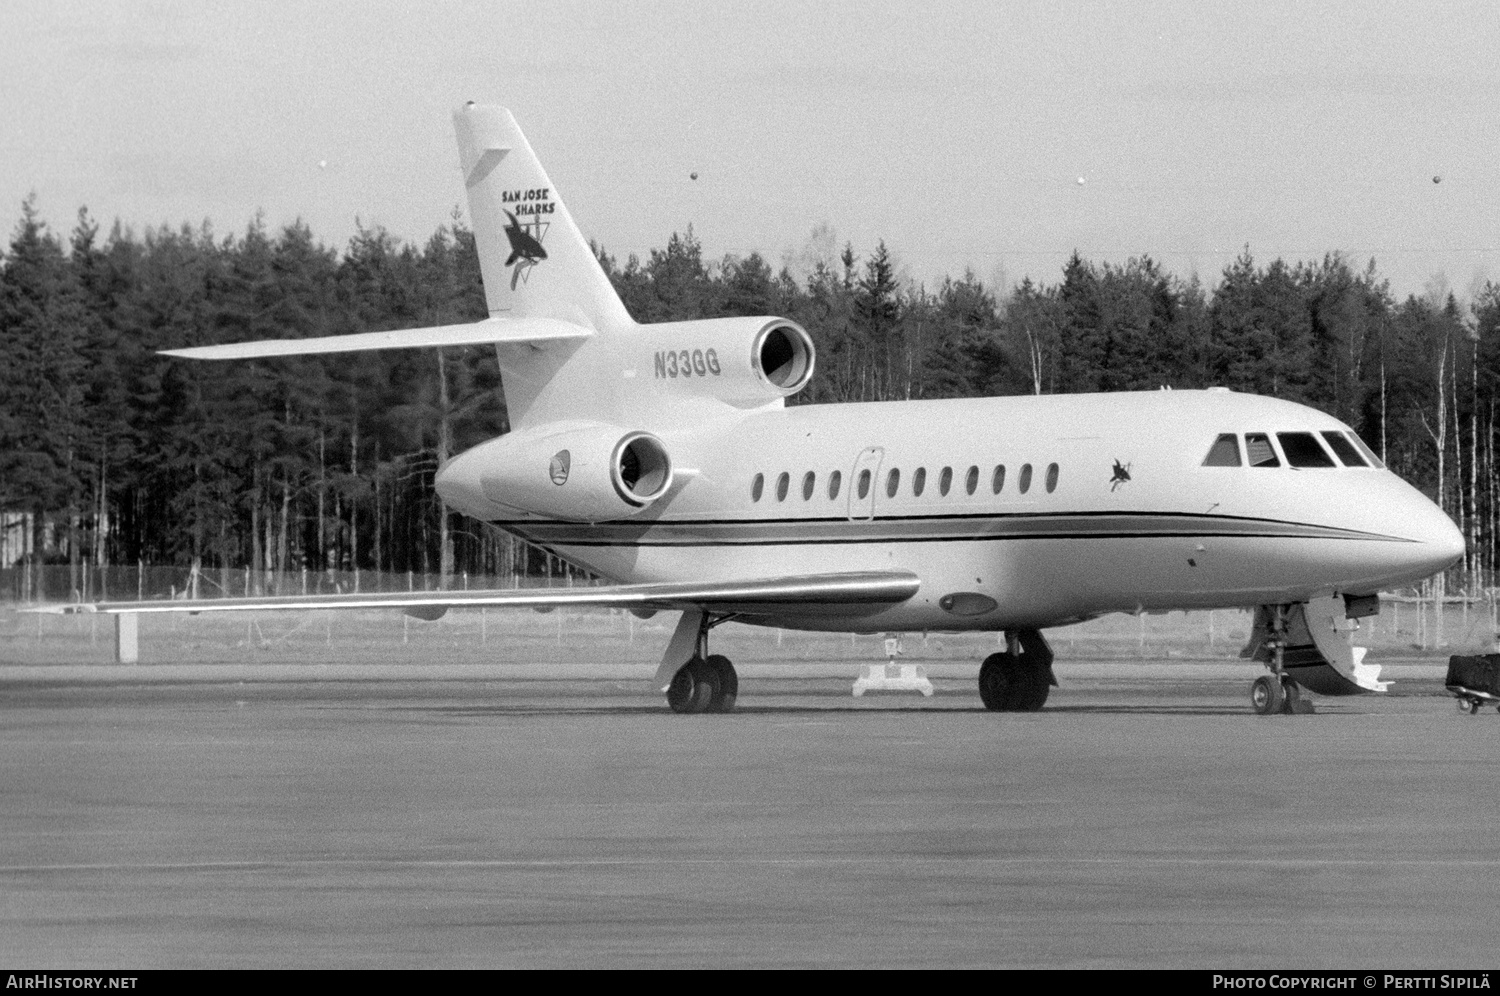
x=862, y=482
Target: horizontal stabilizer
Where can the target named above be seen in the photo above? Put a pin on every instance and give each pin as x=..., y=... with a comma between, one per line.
x=491, y=331
x=786, y=594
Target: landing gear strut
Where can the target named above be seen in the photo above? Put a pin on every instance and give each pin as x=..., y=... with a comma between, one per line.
x=707, y=682
x=1277, y=692
x=1019, y=678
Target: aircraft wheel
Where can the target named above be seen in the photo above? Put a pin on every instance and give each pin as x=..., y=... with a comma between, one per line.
x=727, y=685
x=1267, y=696
x=1291, y=695
x=693, y=687
x=989, y=694
x=1007, y=685
x=1468, y=706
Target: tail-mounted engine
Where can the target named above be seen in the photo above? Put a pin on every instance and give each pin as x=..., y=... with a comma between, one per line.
x=746, y=362
x=582, y=473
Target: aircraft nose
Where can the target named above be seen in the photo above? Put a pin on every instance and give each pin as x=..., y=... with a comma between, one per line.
x=1441, y=541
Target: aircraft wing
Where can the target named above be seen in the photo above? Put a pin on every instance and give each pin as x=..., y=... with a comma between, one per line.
x=762, y=596
x=491, y=331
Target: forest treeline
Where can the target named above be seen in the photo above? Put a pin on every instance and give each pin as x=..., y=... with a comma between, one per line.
x=112, y=454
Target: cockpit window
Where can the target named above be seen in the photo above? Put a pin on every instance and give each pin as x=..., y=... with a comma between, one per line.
x=1225, y=452
x=1344, y=449
x=1302, y=450
x=1258, y=450
x=1375, y=461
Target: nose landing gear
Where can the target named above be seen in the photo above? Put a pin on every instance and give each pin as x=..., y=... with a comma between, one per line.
x=1277, y=692
x=1272, y=693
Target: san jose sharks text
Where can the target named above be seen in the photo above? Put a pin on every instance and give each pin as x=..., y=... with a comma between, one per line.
x=537, y=201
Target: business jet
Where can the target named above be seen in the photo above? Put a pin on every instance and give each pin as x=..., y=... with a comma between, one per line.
x=665, y=459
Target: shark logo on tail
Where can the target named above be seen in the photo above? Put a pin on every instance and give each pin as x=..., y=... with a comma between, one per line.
x=525, y=249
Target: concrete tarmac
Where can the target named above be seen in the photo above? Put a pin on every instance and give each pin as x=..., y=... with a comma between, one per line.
x=495, y=822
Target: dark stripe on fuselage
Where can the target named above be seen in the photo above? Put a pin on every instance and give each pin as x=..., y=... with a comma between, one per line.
x=924, y=529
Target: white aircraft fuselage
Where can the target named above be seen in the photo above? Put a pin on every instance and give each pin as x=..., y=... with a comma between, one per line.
x=1170, y=533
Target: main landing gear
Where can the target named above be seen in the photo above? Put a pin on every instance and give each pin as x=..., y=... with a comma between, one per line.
x=1019, y=678
x=706, y=682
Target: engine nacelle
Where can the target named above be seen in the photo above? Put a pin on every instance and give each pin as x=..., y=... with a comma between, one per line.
x=747, y=362
x=585, y=472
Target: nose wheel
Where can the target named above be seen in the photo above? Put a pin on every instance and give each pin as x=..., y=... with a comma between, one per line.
x=1267, y=695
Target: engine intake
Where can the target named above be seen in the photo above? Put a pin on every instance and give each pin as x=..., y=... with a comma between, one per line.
x=784, y=357
x=640, y=469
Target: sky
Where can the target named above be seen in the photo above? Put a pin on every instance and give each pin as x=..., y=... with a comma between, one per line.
x=993, y=136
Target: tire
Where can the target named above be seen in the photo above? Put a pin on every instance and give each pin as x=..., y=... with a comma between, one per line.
x=1266, y=695
x=728, y=683
x=1007, y=685
x=1291, y=693
x=992, y=681
x=692, y=688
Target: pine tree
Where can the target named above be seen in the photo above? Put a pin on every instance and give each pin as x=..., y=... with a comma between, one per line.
x=42, y=313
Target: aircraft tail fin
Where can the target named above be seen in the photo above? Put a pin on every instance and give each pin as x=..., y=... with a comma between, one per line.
x=532, y=257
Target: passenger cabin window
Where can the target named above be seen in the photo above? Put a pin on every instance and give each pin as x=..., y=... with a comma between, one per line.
x=1258, y=450
x=918, y=481
x=834, y=480
x=782, y=484
x=1051, y=477
x=864, y=483
x=945, y=481
x=1302, y=450
x=809, y=481
x=971, y=480
x=757, y=487
x=1025, y=483
x=1225, y=452
x=997, y=480
x=892, y=482
x=1344, y=450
